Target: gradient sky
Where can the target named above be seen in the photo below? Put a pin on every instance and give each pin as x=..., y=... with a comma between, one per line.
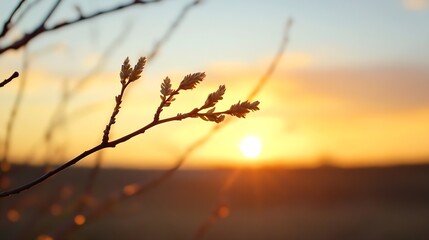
x=352, y=88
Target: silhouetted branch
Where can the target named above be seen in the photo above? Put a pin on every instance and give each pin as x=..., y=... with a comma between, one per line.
x=94, y=171
x=129, y=75
x=57, y=119
x=137, y=189
x=42, y=28
x=6, y=81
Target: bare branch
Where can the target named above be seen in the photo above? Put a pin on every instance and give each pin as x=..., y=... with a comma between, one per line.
x=54, y=7
x=142, y=188
x=130, y=75
x=43, y=29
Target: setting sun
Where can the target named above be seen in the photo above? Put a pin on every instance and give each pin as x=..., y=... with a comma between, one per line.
x=251, y=147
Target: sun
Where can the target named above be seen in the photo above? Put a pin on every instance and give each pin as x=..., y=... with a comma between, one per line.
x=251, y=147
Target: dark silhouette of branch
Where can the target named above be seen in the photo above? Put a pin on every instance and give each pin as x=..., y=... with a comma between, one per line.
x=42, y=28
x=6, y=81
x=129, y=75
x=57, y=119
x=137, y=189
x=86, y=194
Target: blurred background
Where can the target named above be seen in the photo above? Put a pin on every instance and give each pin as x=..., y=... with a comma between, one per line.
x=337, y=151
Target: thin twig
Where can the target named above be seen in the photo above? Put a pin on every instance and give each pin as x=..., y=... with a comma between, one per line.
x=51, y=11
x=70, y=226
x=6, y=81
x=57, y=119
x=42, y=28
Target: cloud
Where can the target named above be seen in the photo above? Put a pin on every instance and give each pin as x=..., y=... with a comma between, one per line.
x=415, y=5
x=382, y=89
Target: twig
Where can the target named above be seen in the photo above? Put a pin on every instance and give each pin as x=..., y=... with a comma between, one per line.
x=57, y=119
x=61, y=232
x=42, y=28
x=129, y=75
x=6, y=81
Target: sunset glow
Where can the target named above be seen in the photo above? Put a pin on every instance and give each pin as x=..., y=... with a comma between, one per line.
x=251, y=147
x=341, y=89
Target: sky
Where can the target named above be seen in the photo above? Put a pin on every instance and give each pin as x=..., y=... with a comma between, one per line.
x=351, y=88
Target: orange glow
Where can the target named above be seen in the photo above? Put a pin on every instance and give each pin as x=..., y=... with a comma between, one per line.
x=44, y=237
x=13, y=215
x=130, y=189
x=223, y=212
x=56, y=209
x=79, y=219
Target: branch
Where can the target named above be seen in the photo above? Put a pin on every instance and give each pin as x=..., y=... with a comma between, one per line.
x=136, y=189
x=57, y=3
x=129, y=75
x=42, y=27
x=6, y=81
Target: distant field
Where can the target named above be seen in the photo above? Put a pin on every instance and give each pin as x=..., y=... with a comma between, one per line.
x=322, y=203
